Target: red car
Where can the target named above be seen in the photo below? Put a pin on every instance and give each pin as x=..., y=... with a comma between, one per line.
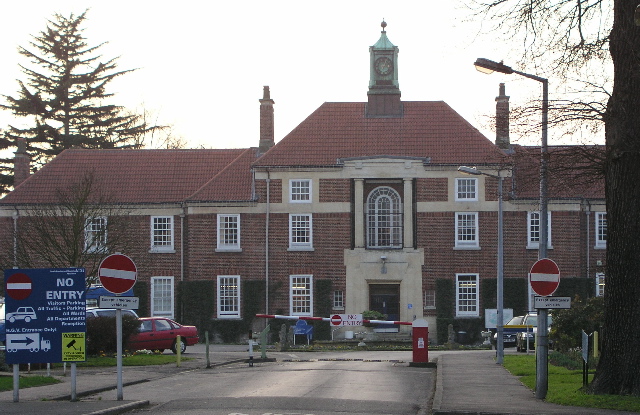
x=159, y=333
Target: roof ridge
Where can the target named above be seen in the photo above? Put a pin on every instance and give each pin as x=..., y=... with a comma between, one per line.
x=217, y=175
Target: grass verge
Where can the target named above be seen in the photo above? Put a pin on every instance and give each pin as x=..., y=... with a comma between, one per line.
x=6, y=382
x=131, y=360
x=565, y=386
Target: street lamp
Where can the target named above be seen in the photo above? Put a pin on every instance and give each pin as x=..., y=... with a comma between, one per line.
x=500, y=265
x=488, y=66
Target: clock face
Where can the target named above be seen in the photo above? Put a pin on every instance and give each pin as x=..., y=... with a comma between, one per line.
x=383, y=66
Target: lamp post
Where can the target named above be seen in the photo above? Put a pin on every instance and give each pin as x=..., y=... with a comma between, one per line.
x=488, y=66
x=500, y=264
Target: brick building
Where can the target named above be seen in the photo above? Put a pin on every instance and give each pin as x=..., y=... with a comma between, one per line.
x=360, y=207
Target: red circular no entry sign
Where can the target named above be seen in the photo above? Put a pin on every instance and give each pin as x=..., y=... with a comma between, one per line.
x=544, y=277
x=118, y=273
x=19, y=286
x=336, y=320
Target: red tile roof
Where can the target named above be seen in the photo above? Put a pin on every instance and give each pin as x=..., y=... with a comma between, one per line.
x=233, y=183
x=132, y=176
x=340, y=130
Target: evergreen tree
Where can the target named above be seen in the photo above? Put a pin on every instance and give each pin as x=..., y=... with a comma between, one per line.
x=64, y=98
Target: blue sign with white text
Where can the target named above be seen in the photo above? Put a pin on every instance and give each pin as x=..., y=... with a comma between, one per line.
x=41, y=306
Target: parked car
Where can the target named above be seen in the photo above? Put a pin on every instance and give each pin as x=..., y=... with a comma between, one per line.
x=527, y=339
x=159, y=333
x=508, y=332
x=108, y=312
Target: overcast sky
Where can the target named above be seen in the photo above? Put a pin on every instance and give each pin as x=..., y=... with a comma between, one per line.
x=202, y=64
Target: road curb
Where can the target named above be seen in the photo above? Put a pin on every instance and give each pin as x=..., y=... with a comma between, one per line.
x=437, y=395
x=121, y=408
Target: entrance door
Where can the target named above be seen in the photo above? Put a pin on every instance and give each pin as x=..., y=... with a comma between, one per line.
x=385, y=298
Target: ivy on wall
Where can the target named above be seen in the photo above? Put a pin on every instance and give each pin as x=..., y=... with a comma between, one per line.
x=515, y=297
x=582, y=287
x=197, y=306
x=196, y=303
x=445, y=303
x=322, y=294
x=141, y=290
x=514, y=294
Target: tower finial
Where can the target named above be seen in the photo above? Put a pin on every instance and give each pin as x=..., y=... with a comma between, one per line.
x=383, y=24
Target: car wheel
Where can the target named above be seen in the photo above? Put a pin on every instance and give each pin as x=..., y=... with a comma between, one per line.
x=12, y=319
x=183, y=347
x=27, y=319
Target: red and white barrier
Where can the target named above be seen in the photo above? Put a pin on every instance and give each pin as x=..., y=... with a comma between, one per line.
x=420, y=333
x=405, y=323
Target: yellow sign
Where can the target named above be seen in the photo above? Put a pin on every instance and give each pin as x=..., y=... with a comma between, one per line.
x=73, y=347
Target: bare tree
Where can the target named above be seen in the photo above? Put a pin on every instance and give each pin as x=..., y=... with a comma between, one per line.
x=79, y=230
x=591, y=39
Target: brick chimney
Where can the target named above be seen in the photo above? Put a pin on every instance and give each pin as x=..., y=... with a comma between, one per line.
x=266, y=122
x=21, y=163
x=502, y=120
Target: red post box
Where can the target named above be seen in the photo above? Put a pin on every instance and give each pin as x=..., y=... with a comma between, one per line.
x=420, y=341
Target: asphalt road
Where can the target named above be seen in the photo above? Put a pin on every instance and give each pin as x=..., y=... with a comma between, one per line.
x=380, y=383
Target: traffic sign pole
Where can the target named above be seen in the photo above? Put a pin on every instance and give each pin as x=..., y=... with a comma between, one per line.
x=544, y=279
x=118, y=274
x=119, y=395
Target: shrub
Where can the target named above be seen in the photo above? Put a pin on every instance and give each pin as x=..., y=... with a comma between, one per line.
x=101, y=334
x=566, y=330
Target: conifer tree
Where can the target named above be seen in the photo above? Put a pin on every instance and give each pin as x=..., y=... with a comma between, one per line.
x=63, y=102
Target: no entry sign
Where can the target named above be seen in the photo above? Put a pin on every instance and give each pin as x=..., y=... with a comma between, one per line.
x=118, y=273
x=19, y=286
x=346, y=320
x=544, y=277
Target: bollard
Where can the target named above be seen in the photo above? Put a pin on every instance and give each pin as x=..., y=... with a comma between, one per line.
x=250, y=352
x=206, y=337
x=420, y=329
x=263, y=341
x=178, y=350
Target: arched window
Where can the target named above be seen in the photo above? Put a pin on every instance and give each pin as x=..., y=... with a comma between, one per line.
x=384, y=218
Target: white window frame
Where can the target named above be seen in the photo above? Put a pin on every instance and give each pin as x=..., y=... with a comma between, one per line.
x=429, y=299
x=531, y=244
x=472, y=230
x=467, y=295
x=301, y=295
x=463, y=193
x=601, y=230
x=228, y=296
x=162, y=296
x=297, y=239
x=162, y=247
x=385, y=224
x=300, y=191
x=600, y=284
x=95, y=234
x=225, y=229
x=338, y=300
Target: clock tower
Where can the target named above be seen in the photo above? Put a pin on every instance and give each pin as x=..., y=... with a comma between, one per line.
x=384, y=91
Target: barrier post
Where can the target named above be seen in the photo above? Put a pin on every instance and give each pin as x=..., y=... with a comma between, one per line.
x=420, y=329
